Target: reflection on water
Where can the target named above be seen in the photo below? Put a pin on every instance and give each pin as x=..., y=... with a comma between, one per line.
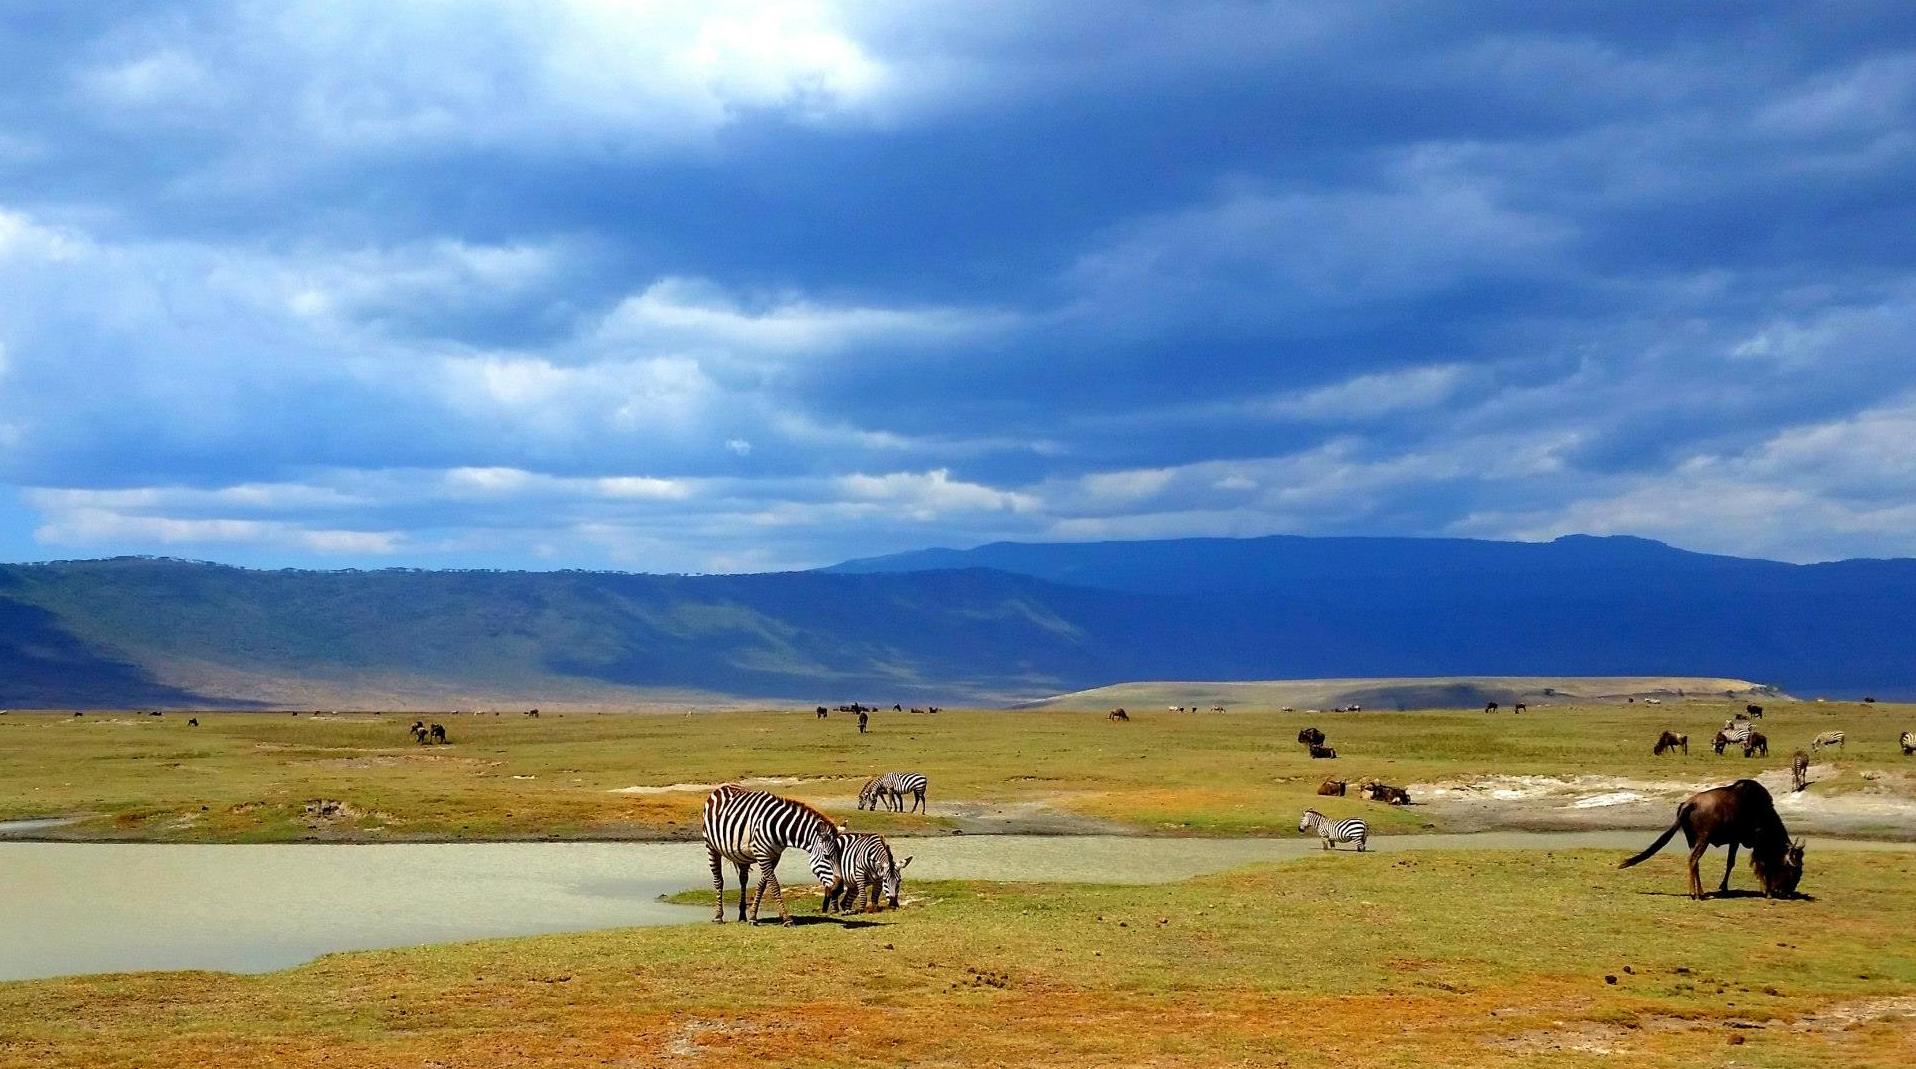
x=111, y=907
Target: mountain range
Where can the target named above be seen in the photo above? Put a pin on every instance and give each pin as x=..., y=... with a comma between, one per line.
x=1001, y=623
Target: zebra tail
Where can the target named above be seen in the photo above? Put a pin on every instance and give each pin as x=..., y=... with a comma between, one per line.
x=1662, y=840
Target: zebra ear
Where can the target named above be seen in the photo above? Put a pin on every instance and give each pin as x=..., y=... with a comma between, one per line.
x=844, y=829
x=902, y=864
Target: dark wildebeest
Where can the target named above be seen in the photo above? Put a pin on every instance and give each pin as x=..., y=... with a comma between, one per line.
x=418, y=731
x=1722, y=740
x=1332, y=787
x=1740, y=814
x=1755, y=711
x=823, y=712
x=933, y=709
x=1670, y=740
x=1310, y=737
x=533, y=713
x=1756, y=743
x=864, y=718
x=897, y=708
x=1491, y=707
x=1519, y=707
x=438, y=732
x=1322, y=751
x=193, y=722
x=1799, y=770
x=1117, y=714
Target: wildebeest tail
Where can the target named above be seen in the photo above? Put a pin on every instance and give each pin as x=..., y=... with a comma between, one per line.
x=1662, y=840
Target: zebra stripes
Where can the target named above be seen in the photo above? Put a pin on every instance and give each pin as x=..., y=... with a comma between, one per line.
x=1350, y=830
x=749, y=828
x=892, y=787
x=865, y=868
x=1827, y=738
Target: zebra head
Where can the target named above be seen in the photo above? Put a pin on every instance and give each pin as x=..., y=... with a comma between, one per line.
x=825, y=848
x=868, y=794
x=1309, y=820
x=894, y=879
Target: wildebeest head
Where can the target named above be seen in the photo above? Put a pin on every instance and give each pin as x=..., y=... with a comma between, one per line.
x=1780, y=874
x=894, y=880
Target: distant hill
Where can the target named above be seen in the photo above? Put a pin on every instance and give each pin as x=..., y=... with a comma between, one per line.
x=1000, y=624
x=1428, y=692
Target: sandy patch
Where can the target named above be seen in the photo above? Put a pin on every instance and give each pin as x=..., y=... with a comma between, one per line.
x=754, y=781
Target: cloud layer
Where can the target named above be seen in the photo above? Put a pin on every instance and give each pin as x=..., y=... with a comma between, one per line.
x=737, y=286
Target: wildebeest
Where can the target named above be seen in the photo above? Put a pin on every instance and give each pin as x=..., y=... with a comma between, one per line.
x=418, y=731
x=193, y=721
x=931, y=709
x=438, y=732
x=1322, y=751
x=1217, y=708
x=1755, y=711
x=1800, y=769
x=1740, y=814
x=1384, y=792
x=1310, y=737
x=1907, y=740
x=1332, y=787
x=822, y=712
x=1491, y=707
x=1756, y=743
x=533, y=713
x=1670, y=740
x=1519, y=707
x=1118, y=714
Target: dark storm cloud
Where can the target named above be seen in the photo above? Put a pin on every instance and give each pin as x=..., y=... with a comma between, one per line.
x=722, y=286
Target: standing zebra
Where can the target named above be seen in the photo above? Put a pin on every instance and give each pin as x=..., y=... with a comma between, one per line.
x=865, y=868
x=749, y=827
x=893, y=786
x=1827, y=738
x=1799, y=770
x=1350, y=830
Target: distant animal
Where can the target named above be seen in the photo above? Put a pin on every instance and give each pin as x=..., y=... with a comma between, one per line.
x=1756, y=743
x=1519, y=707
x=1908, y=742
x=1288, y=709
x=1827, y=738
x=1348, y=830
x=747, y=827
x=533, y=713
x=933, y=709
x=1869, y=701
x=864, y=718
x=1653, y=701
x=1800, y=769
x=897, y=708
x=1491, y=707
x=156, y=712
x=920, y=712
x=1332, y=787
x=1741, y=814
x=822, y=712
x=1217, y=708
x=1118, y=714
x=193, y=722
x=1733, y=733
x=1383, y=792
x=438, y=732
x=1755, y=711
x=1310, y=737
x=892, y=788
x=418, y=732
x=1670, y=740
x=865, y=868
x=1322, y=751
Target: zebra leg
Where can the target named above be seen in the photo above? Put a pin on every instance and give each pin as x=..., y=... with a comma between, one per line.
x=718, y=887
x=778, y=896
x=1724, y=887
x=1361, y=843
x=744, y=886
x=918, y=801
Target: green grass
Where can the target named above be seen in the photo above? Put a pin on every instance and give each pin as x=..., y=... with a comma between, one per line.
x=1444, y=959
x=247, y=777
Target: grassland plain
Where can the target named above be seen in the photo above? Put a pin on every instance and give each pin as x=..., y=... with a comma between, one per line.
x=1443, y=959
x=259, y=777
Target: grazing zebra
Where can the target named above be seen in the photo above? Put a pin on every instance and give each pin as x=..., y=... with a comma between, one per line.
x=893, y=786
x=1799, y=770
x=1908, y=742
x=1734, y=733
x=748, y=827
x=1350, y=830
x=1827, y=738
x=865, y=868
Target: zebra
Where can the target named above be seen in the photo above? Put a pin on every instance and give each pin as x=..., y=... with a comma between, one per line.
x=1907, y=740
x=1799, y=770
x=1734, y=733
x=1827, y=738
x=748, y=827
x=893, y=786
x=865, y=868
x=1350, y=830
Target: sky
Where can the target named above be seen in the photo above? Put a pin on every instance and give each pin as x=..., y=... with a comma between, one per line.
x=720, y=286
